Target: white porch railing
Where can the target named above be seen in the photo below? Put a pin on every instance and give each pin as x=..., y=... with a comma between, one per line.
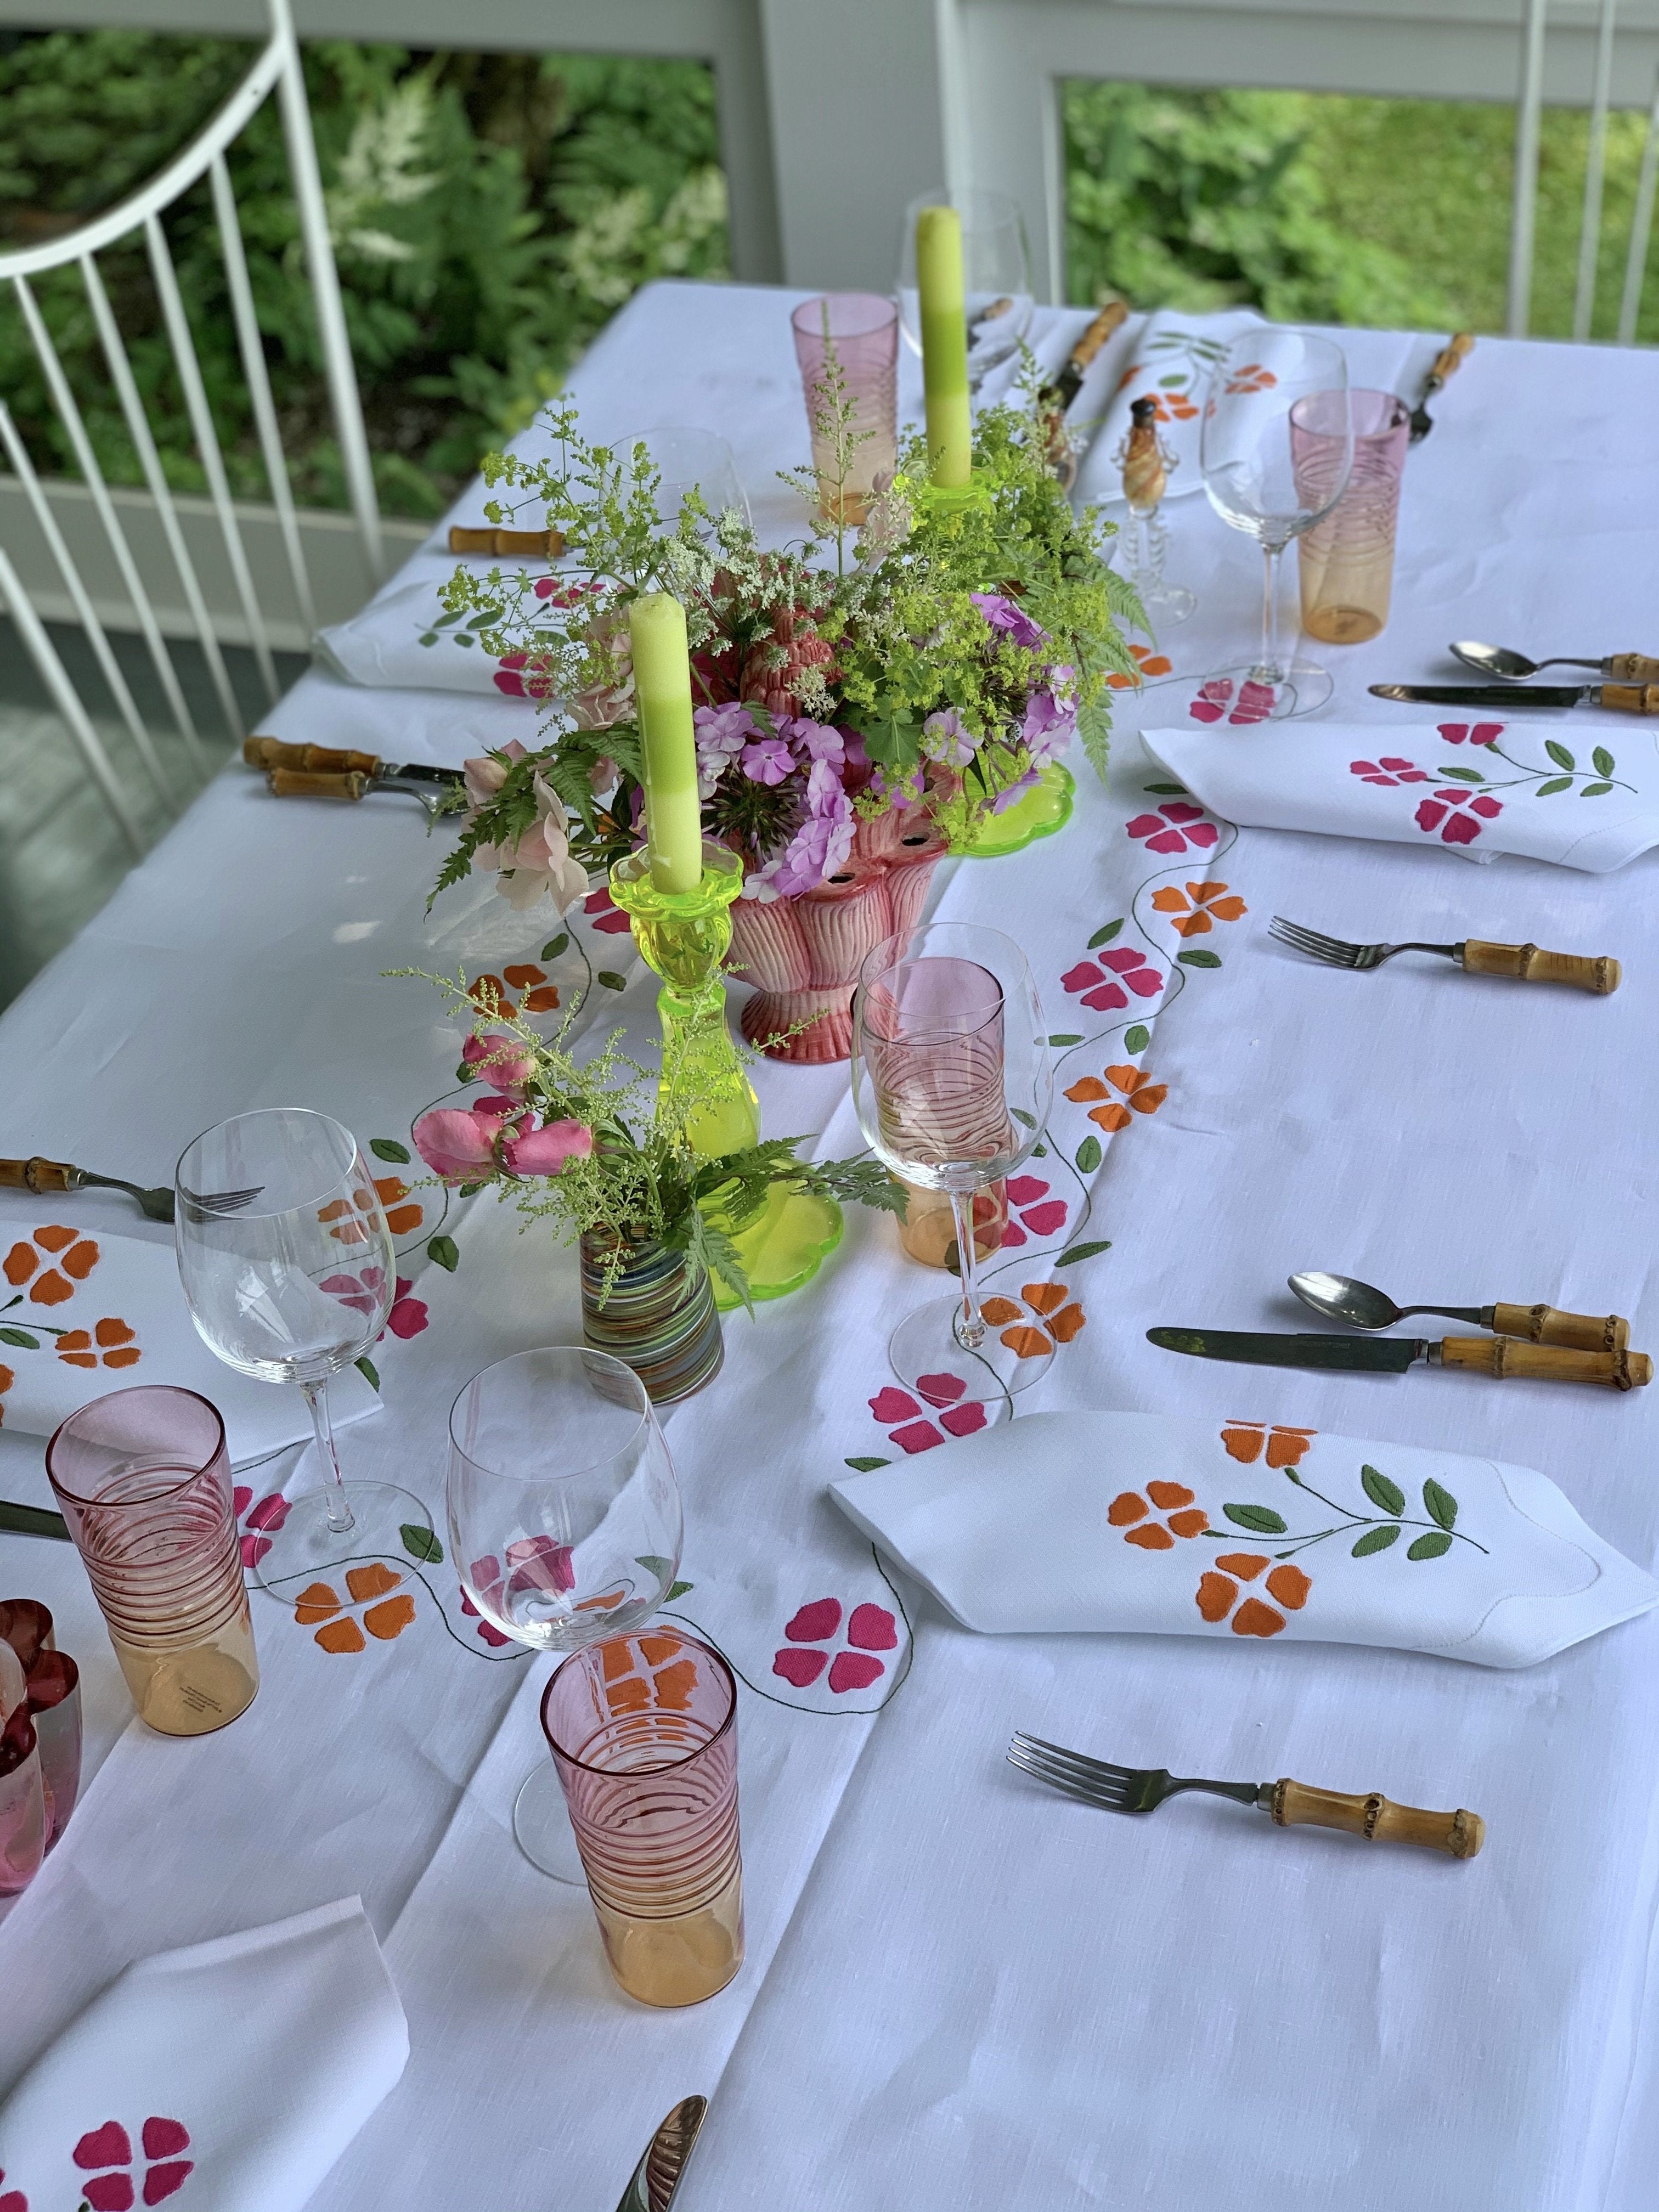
x=833, y=113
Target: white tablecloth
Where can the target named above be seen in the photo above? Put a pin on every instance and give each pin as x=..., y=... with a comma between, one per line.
x=959, y=1989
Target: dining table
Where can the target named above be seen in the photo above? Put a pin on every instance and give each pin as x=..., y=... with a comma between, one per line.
x=960, y=1987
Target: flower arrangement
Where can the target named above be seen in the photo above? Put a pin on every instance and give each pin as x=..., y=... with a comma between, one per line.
x=948, y=661
x=597, y=1145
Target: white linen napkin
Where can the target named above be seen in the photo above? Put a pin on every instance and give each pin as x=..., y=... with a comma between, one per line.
x=1170, y=361
x=1061, y=1523
x=242, y=2067
x=1583, y=794
x=83, y=1312
x=396, y=640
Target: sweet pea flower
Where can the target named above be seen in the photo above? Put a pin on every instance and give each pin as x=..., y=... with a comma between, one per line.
x=946, y=739
x=484, y=775
x=1002, y=614
x=502, y=1059
x=544, y=1151
x=538, y=862
x=768, y=760
x=456, y=1145
x=608, y=695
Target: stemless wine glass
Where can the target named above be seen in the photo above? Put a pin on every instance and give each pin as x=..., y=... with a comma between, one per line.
x=953, y=1083
x=564, y=1525
x=996, y=267
x=1245, y=453
x=292, y=1287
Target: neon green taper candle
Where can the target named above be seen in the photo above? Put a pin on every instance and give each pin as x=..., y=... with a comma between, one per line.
x=945, y=344
x=662, y=687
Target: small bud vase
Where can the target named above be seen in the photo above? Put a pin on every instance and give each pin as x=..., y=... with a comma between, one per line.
x=658, y=1316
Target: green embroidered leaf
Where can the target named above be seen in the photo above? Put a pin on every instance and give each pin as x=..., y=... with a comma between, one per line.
x=1066, y=1040
x=19, y=1337
x=1199, y=959
x=384, y=1148
x=431, y=637
x=1429, y=1546
x=463, y=638
x=1039, y=1151
x=1172, y=383
x=654, y=1563
x=557, y=945
x=1026, y=1120
x=611, y=980
x=470, y=1189
x=1078, y=1252
x=1260, y=1519
x=421, y=1543
x=676, y=1590
x=444, y=621
x=487, y=620
x=445, y=1251
x=1104, y=936
x=1595, y=790
x=1381, y=1491
x=1375, y=1540
x=1558, y=753
x=367, y=1370
x=864, y=1466
x=1440, y=1505
x=1088, y=1155
x=1167, y=790
x=1602, y=760
x=1556, y=783
x=464, y=1074
x=1464, y=774
x=1137, y=1038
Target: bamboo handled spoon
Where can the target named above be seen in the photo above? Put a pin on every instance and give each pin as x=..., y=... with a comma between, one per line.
x=1342, y=1298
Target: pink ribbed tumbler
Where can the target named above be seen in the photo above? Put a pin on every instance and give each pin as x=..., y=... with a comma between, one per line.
x=143, y=1479
x=644, y=1735
x=855, y=334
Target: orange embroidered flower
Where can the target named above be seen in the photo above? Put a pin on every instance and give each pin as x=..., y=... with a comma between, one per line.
x=370, y=1592
x=1177, y=1514
x=1218, y=1593
x=110, y=1344
x=1244, y=1440
x=400, y=1219
x=1147, y=662
x=1137, y=1086
x=493, y=994
x=350, y=1217
x=1057, y=1320
x=7, y=1378
x=1252, y=378
x=647, y=1670
x=1198, y=907
x=75, y=1255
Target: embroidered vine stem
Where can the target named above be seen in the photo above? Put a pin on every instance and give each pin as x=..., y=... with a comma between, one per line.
x=1350, y=1521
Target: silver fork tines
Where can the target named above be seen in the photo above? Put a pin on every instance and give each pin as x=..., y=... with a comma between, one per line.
x=1337, y=952
x=1114, y=1788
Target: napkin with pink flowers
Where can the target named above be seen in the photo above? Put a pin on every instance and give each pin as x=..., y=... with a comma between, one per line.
x=1583, y=794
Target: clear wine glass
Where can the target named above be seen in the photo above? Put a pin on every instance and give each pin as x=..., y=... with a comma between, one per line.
x=291, y=1288
x=565, y=1526
x=953, y=1083
x=996, y=268
x=690, y=460
x=1244, y=451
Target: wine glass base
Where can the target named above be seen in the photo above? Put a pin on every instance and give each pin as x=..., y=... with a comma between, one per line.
x=928, y=1356
x=541, y=1826
x=1168, y=606
x=304, y=1546
x=1247, y=694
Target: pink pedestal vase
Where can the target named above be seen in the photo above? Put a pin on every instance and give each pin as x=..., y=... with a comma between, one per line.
x=803, y=955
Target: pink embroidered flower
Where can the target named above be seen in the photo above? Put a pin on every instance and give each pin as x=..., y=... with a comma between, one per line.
x=1038, y=1213
x=870, y=1629
x=459, y=1146
x=607, y=915
x=916, y=1432
x=1390, y=770
x=12, y=2200
x=487, y=1629
x=260, y=1526
x=1478, y=733
x=500, y=1060
x=1442, y=812
x=523, y=676
x=1102, y=982
x=408, y=1316
x=1254, y=704
x=110, y=2147
x=360, y=1292
x=544, y=1151
x=1175, y=827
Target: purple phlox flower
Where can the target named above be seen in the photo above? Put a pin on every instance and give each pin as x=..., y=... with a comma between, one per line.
x=1002, y=614
x=818, y=848
x=1061, y=679
x=767, y=761
x=817, y=740
x=1015, y=792
x=852, y=752
x=1048, y=727
x=825, y=799
x=946, y=738
x=721, y=735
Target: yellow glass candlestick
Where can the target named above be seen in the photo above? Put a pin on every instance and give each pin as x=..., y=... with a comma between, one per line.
x=662, y=688
x=944, y=317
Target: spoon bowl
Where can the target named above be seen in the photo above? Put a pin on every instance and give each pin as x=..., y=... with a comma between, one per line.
x=1508, y=665
x=1341, y=1297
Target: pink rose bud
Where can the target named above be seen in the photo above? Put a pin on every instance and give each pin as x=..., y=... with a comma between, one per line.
x=544, y=1152
x=458, y=1145
x=502, y=1059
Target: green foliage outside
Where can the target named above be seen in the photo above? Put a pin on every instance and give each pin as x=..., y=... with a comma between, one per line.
x=1320, y=207
x=489, y=213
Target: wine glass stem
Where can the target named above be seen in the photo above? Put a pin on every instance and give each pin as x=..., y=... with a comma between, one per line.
x=970, y=1328
x=1270, y=669
x=340, y=1523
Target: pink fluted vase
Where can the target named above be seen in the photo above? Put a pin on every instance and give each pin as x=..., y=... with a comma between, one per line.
x=803, y=955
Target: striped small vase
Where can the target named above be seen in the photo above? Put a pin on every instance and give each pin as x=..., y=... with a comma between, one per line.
x=658, y=1315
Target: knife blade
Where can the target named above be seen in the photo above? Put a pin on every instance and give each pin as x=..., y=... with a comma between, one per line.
x=32, y=1521
x=1507, y=698
x=651, y=2185
x=1502, y=1357
x=1067, y=444
x=326, y=772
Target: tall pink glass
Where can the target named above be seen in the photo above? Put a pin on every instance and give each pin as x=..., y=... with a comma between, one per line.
x=52, y=1683
x=644, y=1734
x=855, y=333
x=1347, y=560
x=23, y=1793
x=143, y=1479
